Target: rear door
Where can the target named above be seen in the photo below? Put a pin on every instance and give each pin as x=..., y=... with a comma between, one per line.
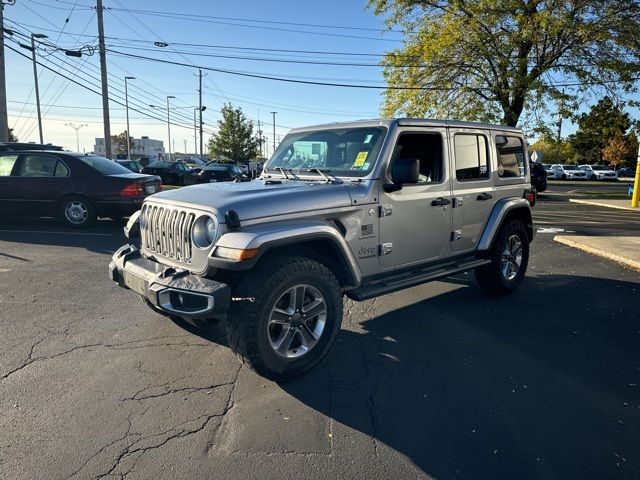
x=473, y=192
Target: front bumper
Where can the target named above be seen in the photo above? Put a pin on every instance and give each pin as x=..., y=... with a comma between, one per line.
x=175, y=292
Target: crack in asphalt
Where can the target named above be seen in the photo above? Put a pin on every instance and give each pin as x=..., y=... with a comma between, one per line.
x=176, y=390
x=115, y=346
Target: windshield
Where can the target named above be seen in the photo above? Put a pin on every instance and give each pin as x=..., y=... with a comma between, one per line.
x=570, y=167
x=349, y=152
x=103, y=165
x=600, y=167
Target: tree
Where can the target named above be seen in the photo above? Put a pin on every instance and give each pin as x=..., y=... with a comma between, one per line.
x=12, y=137
x=488, y=60
x=618, y=150
x=604, y=121
x=234, y=140
x=119, y=142
x=554, y=152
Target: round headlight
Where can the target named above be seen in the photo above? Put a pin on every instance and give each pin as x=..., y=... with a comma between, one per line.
x=204, y=232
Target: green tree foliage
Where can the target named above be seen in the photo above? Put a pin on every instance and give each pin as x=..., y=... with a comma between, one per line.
x=553, y=151
x=605, y=121
x=119, y=142
x=488, y=60
x=235, y=139
x=12, y=137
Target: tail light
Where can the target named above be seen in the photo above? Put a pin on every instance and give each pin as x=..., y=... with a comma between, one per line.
x=133, y=190
x=530, y=195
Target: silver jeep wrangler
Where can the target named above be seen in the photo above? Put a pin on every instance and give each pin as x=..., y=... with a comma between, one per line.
x=358, y=209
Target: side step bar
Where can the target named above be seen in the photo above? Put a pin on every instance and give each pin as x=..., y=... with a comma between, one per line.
x=411, y=279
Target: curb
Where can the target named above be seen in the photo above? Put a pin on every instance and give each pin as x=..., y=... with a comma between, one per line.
x=601, y=204
x=627, y=262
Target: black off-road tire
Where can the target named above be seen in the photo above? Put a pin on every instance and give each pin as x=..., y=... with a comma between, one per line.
x=260, y=289
x=491, y=277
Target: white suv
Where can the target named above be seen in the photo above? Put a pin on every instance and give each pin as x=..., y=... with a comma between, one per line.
x=599, y=172
x=566, y=172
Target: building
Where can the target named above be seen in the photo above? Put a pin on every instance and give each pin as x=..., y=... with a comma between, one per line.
x=143, y=147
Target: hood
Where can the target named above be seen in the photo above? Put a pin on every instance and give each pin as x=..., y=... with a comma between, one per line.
x=257, y=199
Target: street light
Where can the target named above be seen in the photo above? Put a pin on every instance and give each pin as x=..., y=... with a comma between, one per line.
x=35, y=76
x=169, y=124
x=77, y=128
x=126, y=102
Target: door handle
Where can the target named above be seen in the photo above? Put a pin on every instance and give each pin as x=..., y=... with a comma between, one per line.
x=484, y=196
x=440, y=202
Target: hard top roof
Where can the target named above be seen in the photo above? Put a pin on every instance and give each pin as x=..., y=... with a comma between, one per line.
x=418, y=122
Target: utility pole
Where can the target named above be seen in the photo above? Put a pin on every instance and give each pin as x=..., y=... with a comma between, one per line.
x=4, y=120
x=195, y=133
x=35, y=79
x=126, y=107
x=274, y=131
x=559, y=136
x=103, y=76
x=200, y=106
x=169, y=126
x=259, y=134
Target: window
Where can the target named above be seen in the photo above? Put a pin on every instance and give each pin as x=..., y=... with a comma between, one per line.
x=511, y=161
x=427, y=148
x=349, y=152
x=61, y=170
x=471, y=157
x=6, y=164
x=38, y=166
x=103, y=165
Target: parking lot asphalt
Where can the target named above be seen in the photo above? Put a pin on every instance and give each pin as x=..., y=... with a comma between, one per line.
x=438, y=381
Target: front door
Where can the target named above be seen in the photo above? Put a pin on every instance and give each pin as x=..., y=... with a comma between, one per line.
x=473, y=193
x=415, y=222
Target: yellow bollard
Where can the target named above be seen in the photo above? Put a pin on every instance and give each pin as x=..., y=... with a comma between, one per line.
x=636, y=184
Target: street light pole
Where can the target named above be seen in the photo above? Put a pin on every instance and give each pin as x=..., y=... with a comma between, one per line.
x=169, y=125
x=274, y=131
x=77, y=128
x=35, y=78
x=126, y=107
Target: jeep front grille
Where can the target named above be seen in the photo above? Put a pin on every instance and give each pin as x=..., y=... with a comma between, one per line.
x=166, y=231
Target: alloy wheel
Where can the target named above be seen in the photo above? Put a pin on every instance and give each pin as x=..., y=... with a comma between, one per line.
x=511, y=257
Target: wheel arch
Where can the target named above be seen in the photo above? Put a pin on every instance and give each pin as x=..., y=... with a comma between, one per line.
x=503, y=211
x=316, y=240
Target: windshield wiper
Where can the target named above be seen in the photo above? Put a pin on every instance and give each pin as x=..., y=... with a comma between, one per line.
x=323, y=172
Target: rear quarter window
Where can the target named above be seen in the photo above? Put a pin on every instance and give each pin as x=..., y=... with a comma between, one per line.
x=6, y=164
x=511, y=158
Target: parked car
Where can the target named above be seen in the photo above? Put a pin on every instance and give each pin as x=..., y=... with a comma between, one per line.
x=194, y=163
x=629, y=172
x=599, y=172
x=380, y=210
x=74, y=187
x=171, y=173
x=18, y=146
x=221, y=172
x=566, y=172
x=538, y=176
x=133, y=165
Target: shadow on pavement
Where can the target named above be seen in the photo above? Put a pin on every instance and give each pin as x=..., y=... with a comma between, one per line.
x=541, y=384
x=105, y=236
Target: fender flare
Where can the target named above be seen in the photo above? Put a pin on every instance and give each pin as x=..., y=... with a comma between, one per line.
x=498, y=214
x=268, y=236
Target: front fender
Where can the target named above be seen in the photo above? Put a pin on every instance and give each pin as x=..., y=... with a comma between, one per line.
x=498, y=214
x=268, y=236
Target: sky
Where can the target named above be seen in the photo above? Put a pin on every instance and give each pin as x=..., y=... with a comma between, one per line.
x=197, y=33
x=134, y=33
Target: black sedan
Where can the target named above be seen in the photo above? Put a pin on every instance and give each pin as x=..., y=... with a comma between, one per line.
x=75, y=187
x=171, y=173
x=221, y=172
